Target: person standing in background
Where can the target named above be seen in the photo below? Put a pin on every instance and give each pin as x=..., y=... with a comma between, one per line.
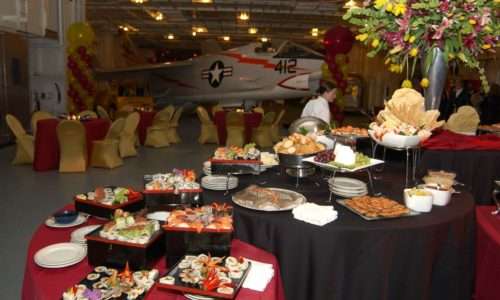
x=490, y=107
x=460, y=95
x=318, y=107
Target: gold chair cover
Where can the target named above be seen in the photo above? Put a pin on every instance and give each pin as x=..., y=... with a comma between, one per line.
x=208, y=133
x=72, y=146
x=102, y=113
x=25, y=146
x=87, y=114
x=173, y=135
x=216, y=108
x=259, y=109
x=235, y=129
x=37, y=116
x=262, y=134
x=128, y=135
x=106, y=153
x=275, y=127
x=157, y=133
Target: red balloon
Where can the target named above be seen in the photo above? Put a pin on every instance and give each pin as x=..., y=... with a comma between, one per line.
x=338, y=39
x=338, y=77
x=82, y=51
x=342, y=85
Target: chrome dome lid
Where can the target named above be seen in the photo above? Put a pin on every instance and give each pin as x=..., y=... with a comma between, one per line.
x=308, y=125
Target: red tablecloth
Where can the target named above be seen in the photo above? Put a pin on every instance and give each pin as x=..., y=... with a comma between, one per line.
x=447, y=140
x=47, y=144
x=49, y=284
x=487, y=254
x=251, y=119
x=145, y=121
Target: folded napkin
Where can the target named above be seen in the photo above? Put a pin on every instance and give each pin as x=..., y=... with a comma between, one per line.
x=259, y=276
x=315, y=214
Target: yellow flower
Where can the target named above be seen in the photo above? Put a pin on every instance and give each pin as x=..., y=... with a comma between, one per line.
x=486, y=46
x=406, y=84
x=395, y=50
x=488, y=28
x=406, y=37
x=412, y=39
x=462, y=57
x=380, y=3
x=424, y=83
x=387, y=61
x=389, y=7
x=362, y=37
x=413, y=52
x=399, y=9
x=375, y=43
x=472, y=22
x=451, y=56
x=396, y=68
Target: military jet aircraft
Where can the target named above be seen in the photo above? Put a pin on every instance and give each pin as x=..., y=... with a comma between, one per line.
x=246, y=74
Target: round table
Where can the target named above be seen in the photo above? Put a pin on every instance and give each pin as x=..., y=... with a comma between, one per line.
x=429, y=256
x=48, y=284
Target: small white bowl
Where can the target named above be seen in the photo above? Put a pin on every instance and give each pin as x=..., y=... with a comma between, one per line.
x=439, y=197
x=418, y=203
x=396, y=140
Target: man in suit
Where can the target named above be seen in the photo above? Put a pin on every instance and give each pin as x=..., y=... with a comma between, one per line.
x=459, y=95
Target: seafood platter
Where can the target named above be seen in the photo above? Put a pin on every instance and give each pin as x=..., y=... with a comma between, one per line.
x=103, y=201
x=268, y=199
x=376, y=208
x=218, y=277
x=169, y=190
x=205, y=229
x=342, y=158
x=107, y=283
x=126, y=238
x=350, y=131
x=236, y=160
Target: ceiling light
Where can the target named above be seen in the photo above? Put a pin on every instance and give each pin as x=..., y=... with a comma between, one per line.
x=202, y=1
x=314, y=34
x=351, y=4
x=252, y=30
x=315, y=30
x=199, y=29
x=244, y=16
x=139, y=1
x=127, y=28
x=193, y=33
x=158, y=16
x=170, y=36
x=264, y=39
x=226, y=38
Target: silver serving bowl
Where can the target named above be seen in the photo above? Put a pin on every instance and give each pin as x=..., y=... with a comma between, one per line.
x=294, y=161
x=308, y=124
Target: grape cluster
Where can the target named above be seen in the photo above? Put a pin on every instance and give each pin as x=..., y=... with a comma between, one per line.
x=325, y=156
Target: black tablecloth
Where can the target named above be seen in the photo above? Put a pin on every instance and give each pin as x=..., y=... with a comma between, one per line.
x=429, y=256
x=477, y=169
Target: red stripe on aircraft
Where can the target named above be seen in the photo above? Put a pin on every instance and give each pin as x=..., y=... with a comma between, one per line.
x=290, y=87
x=252, y=61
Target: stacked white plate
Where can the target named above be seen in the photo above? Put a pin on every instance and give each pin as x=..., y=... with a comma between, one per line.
x=219, y=182
x=207, y=168
x=347, y=187
x=60, y=255
x=78, y=235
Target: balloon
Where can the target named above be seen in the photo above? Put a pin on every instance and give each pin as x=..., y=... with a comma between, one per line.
x=338, y=77
x=80, y=34
x=333, y=68
x=342, y=84
x=82, y=51
x=338, y=39
x=344, y=70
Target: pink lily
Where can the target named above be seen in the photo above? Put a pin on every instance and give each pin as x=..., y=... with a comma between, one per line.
x=439, y=30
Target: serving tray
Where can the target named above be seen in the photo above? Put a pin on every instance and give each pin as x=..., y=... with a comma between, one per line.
x=190, y=289
x=329, y=167
x=342, y=202
x=101, y=210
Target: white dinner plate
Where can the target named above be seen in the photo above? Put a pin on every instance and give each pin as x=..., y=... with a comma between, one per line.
x=349, y=195
x=326, y=166
x=197, y=297
x=82, y=218
x=79, y=234
x=346, y=182
x=60, y=255
x=158, y=215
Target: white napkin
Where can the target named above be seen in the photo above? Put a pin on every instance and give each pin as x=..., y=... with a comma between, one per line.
x=259, y=276
x=315, y=214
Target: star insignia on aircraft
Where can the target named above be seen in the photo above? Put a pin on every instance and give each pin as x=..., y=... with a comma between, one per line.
x=216, y=73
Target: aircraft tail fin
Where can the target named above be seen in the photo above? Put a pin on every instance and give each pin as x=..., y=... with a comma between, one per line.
x=210, y=47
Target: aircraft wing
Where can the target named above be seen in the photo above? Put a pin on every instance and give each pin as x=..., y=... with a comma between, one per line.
x=138, y=71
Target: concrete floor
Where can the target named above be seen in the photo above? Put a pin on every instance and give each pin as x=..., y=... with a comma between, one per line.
x=29, y=197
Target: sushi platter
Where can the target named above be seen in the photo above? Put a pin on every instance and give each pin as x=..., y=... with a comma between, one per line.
x=236, y=160
x=177, y=181
x=218, y=277
x=108, y=283
x=103, y=201
x=268, y=199
x=376, y=208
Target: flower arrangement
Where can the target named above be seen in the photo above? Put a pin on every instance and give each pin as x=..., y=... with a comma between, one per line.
x=409, y=29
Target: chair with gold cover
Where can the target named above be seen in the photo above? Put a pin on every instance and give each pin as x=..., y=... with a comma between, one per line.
x=259, y=109
x=208, y=133
x=157, y=133
x=262, y=134
x=72, y=146
x=25, y=148
x=87, y=114
x=106, y=153
x=128, y=136
x=275, y=127
x=173, y=135
x=216, y=108
x=235, y=129
x=102, y=113
x=37, y=116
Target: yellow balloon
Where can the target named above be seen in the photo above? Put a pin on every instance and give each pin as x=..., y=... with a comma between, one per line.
x=80, y=34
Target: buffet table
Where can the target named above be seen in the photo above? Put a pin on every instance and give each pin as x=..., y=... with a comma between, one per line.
x=49, y=284
x=251, y=120
x=487, y=250
x=473, y=158
x=47, y=145
x=429, y=256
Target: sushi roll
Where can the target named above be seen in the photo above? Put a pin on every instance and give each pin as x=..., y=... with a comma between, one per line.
x=231, y=261
x=170, y=280
x=225, y=280
x=132, y=294
x=153, y=274
x=184, y=264
x=196, y=264
x=81, y=197
x=93, y=276
x=244, y=264
x=225, y=290
x=189, y=257
x=100, y=269
x=235, y=274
